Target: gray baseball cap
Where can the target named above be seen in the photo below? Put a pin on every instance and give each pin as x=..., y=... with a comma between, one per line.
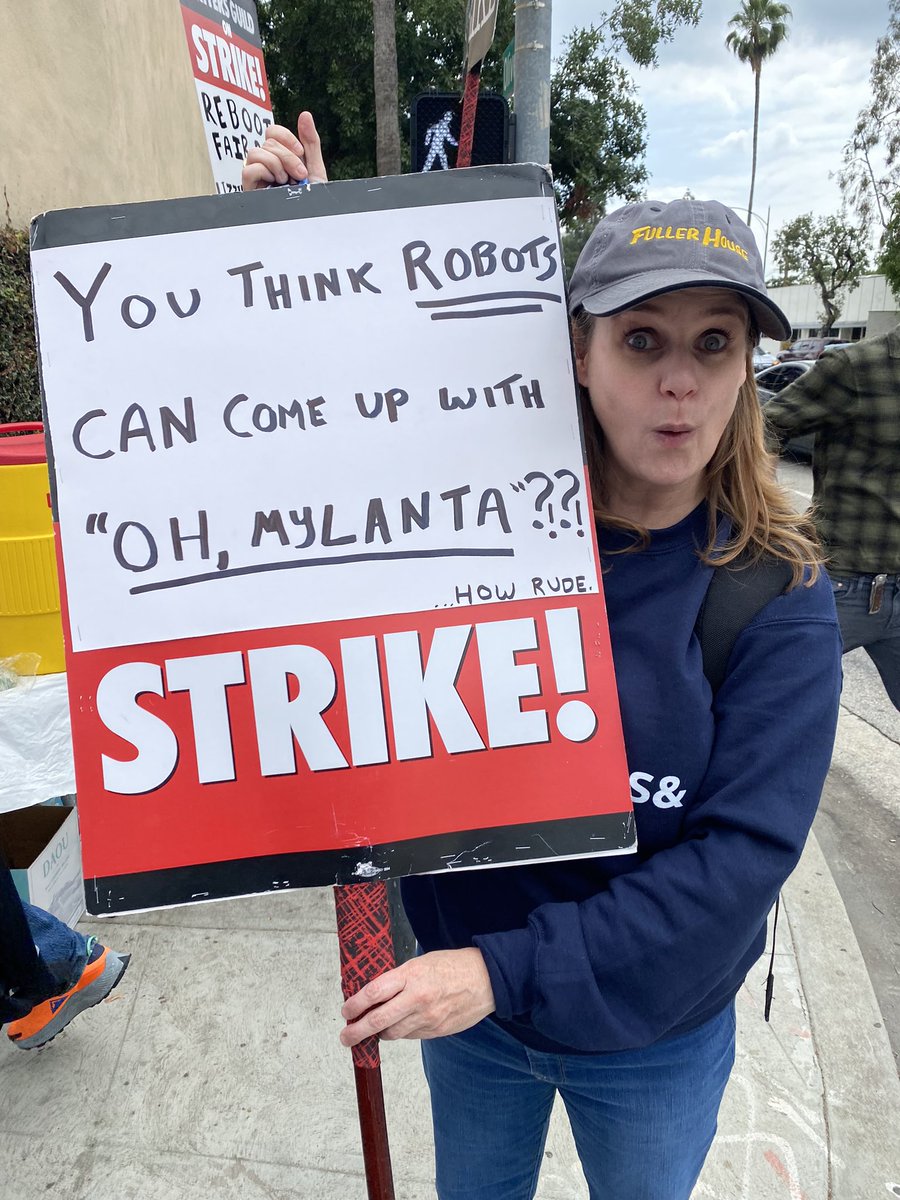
x=648, y=248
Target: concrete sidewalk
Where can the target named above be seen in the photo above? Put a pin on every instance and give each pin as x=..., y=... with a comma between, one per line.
x=214, y=1071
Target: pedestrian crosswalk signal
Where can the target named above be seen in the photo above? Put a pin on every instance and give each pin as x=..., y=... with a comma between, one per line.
x=434, y=131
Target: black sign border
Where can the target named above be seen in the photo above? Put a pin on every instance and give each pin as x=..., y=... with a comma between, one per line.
x=154, y=218
x=502, y=846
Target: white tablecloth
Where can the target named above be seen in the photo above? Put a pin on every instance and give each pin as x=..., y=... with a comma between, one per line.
x=35, y=742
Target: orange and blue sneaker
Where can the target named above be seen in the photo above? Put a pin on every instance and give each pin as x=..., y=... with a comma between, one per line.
x=102, y=971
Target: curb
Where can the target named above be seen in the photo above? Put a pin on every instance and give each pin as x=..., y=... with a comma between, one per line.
x=861, y=1089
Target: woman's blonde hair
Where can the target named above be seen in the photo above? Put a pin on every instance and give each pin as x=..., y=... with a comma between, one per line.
x=741, y=483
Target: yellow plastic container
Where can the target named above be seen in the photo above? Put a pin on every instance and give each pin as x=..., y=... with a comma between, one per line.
x=30, y=620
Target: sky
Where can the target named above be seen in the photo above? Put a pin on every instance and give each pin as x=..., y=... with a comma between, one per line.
x=699, y=105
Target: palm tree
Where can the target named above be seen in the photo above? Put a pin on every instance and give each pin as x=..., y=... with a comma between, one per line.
x=756, y=33
x=387, y=116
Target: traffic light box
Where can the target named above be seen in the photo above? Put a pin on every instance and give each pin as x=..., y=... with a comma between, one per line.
x=434, y=131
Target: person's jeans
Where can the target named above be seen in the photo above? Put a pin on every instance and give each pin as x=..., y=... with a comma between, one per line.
x=61, y=950
x=878, y=633
x=643, y=1120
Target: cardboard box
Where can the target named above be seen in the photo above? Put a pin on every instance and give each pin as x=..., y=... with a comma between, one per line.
x=42, y=846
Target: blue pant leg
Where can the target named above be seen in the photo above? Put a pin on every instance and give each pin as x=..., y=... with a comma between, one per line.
x=644, y=1120
x=886, y=657
x=885, y=652
x=62, y=950
x=22, y=973
x=878, y=633
x=490, y=1115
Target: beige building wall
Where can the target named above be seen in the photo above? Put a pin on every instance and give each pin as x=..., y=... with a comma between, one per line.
x=870, y=306
x=99, y=106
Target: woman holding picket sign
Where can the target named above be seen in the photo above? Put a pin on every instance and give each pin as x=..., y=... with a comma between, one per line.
x=612, y=980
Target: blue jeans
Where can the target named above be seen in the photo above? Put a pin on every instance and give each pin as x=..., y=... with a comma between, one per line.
x=62, y=951
x=878, y=633
x=643, y=1120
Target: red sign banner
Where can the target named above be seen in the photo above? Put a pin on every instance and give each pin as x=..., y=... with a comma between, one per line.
x=228, y=63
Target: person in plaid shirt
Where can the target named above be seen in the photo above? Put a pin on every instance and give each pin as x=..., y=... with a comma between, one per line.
x=850, y=400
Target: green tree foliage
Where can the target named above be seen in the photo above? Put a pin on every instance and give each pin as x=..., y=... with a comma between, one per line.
x=20, y=398
x=597, y=125
x=826, y=251
x=596, y=150
x=319, y=57
x=889, y=254
x=757, y=30
x=640, y=27
x=870, y=176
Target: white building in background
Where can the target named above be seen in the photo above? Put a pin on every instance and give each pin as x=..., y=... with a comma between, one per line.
x=869, y=309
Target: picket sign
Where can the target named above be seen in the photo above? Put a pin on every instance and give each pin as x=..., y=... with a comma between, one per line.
x=331, y=594
x=331, y=585
x=234, y=106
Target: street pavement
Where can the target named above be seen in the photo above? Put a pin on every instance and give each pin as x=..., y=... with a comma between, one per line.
x=214, y=1070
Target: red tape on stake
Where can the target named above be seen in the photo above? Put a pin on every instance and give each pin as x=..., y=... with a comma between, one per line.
x=467, y=120
x=364, y=934
x=367, y=950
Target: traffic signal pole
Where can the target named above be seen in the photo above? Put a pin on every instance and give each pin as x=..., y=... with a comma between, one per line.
x=532, y=80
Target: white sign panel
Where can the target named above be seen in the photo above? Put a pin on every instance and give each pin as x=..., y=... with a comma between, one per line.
x=267, y=422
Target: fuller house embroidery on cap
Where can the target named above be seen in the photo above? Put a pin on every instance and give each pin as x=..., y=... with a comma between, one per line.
x=650, y=233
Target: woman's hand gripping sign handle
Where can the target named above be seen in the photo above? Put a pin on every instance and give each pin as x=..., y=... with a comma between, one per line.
x=433, y=995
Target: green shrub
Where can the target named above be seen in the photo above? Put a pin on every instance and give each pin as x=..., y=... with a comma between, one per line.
x=20, y=397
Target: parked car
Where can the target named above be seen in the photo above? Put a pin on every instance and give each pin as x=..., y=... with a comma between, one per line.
x=773, y=380
x=837, y=346
x=762, y=359
x=810, y=348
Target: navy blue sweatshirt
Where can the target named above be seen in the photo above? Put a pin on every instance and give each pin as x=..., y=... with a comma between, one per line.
x=617, y=952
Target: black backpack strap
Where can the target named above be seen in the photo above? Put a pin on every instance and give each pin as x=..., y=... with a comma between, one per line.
x=737, y=592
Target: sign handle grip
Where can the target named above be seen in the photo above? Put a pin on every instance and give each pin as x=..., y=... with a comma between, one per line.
x=366, y=948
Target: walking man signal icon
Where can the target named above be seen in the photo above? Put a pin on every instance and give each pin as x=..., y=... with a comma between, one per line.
x=434, y=122
x=437, y=137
